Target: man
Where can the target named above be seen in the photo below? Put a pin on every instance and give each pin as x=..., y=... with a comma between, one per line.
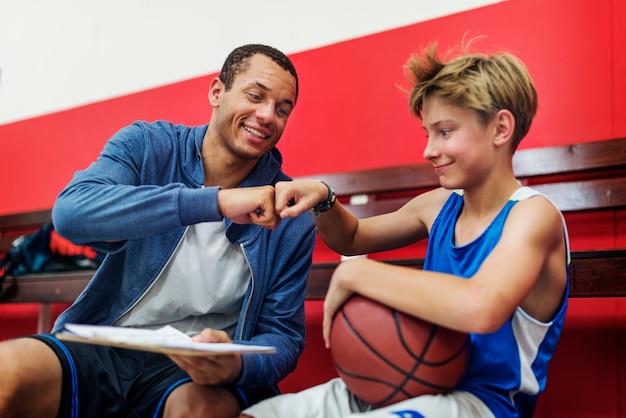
x=186, y=217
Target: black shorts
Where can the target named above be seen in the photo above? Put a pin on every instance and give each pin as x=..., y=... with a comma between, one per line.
x=113, y=382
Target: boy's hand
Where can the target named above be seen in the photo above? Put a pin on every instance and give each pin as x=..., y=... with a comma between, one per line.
x=296, y=197
x=338, y=293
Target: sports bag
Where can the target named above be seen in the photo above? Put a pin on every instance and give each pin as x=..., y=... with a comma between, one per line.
x=45, y=251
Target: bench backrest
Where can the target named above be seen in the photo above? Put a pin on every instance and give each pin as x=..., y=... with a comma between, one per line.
x=579, y=177
x=12, y=226
x=582, y=177
x=585, y=176
x=589, y=176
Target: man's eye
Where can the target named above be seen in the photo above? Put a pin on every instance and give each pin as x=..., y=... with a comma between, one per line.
x=283, y=111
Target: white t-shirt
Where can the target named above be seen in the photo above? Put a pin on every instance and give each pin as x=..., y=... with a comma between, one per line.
x=202, y=286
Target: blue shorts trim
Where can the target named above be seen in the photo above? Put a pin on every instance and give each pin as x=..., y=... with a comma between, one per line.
x=72, y=366
x=161, y=405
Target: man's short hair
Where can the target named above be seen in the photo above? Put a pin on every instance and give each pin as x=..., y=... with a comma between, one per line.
x=239, y=59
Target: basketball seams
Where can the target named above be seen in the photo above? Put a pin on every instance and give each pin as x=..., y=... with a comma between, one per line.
x=367, y=345
x=383, y=353
x=422, y=357
x=418, y=360
x=408, y=376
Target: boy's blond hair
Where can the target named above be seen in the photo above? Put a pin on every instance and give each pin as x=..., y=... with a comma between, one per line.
x=483, y=83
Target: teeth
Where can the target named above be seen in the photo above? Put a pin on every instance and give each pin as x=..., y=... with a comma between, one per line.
x=254, y=132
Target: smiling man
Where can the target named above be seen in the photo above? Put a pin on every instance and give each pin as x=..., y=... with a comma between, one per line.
x=186, y=217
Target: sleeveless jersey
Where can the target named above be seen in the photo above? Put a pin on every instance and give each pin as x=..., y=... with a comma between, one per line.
x=508, y=368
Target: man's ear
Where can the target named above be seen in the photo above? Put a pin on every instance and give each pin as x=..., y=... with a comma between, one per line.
x=505, y=126
x=216, y=89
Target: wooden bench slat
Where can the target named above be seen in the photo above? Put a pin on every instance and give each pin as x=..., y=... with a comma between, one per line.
x=586, y=195
x=571, y=158
x=598, y=273
x=592, y=274
x=24, y=220
x=12, y=226
x=61, y=287
x=381, y=180
x=576, y=158
x=567, y=196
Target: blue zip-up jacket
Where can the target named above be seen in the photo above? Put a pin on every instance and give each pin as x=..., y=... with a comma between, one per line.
x=135, y=203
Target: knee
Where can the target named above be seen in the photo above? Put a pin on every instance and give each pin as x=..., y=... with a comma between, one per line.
x=31, y=379
x=10, y=384
x=193, y=400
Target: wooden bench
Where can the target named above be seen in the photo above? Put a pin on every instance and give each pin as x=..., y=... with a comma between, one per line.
x=580, y=177
x=44, y=288
x=577, y=178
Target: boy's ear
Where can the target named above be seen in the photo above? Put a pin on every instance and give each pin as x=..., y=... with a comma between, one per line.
x=505, y=126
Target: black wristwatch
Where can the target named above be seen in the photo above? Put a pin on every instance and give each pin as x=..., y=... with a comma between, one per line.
x=327, y=204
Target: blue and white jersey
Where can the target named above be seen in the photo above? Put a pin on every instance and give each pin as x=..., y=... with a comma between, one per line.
x=508, y=368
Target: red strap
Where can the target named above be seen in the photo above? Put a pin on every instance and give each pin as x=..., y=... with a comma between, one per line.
x=63, y=246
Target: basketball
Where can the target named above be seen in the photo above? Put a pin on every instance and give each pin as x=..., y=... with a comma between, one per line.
x=385, y=356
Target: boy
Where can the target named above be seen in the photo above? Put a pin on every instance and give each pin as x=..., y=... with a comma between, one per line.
x=497, y=260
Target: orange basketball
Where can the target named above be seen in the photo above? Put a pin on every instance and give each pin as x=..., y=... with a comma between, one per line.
x=385, y=356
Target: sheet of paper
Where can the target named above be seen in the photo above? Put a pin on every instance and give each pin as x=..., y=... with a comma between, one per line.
x=167, y=340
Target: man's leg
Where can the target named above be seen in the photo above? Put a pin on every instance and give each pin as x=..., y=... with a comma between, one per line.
x=192, y=400
x=30, y=382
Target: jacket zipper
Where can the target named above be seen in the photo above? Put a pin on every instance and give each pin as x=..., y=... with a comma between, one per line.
x=244, y=311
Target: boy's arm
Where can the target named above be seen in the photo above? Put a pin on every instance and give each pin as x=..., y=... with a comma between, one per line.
x=532, y=255
x=346, y=234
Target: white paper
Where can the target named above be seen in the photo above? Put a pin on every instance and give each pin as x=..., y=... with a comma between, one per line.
x=166, y=339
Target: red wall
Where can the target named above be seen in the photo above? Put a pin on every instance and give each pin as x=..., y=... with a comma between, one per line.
x=352, y=115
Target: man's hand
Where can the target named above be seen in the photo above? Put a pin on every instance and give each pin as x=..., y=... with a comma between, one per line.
x=249, y=205
x=211, y=370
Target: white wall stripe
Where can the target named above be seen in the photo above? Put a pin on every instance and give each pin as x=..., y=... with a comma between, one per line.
x=62, y=54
